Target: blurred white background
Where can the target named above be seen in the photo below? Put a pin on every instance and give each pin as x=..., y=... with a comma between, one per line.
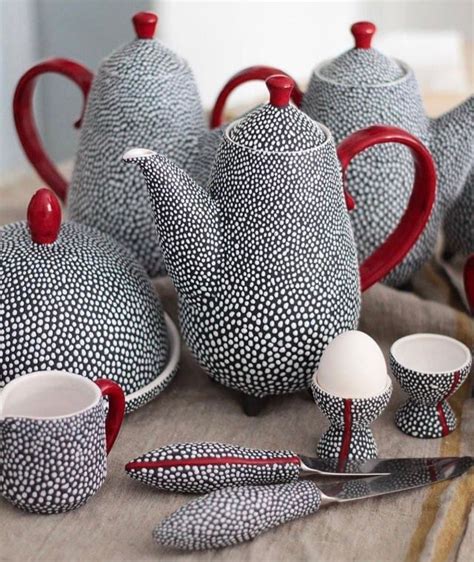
x=218, y=38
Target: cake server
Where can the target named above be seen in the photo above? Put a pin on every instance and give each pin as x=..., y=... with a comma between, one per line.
x=233, y=515
x=203, y=467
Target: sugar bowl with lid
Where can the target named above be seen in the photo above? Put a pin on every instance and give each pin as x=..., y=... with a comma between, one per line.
x=75, y=300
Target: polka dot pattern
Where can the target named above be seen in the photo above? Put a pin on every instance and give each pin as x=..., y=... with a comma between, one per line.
x=363, y=88
x=427, y=414
x=266, y=267
x=459, y=223
x=81, y=304
x=363, y=411
x=234, y=515
x=199, y=479
x=143, y=93
x=53, y=466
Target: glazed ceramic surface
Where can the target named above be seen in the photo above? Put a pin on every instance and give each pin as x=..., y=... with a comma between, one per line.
x=229, y=465
x=349, y=435
x=55, y=439
x=264, y=259
x=459, y=223
x=430, y=368
x=78, y=301
x=362, y=87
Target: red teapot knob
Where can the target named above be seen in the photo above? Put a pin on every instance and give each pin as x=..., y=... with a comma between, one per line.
x=280, y=87
x=44, y=217
x=145, y=24
x=363, y=31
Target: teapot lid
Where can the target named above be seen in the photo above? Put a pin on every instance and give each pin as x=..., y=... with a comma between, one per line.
x=277, y=126
x=144, y=57
x=362, y=65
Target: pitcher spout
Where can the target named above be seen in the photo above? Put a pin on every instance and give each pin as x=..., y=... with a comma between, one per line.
x=452, y=146
x=187, y=221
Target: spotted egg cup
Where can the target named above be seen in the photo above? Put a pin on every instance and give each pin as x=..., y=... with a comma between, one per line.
x=430, y=368
x=349, y=435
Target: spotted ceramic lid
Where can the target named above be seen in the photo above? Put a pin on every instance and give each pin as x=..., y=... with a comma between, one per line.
x=144, y=56
x=277, y=126
x=362, y=65
x=76, y=300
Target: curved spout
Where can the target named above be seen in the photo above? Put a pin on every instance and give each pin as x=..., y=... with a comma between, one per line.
x=452, y=145
x=186, y=219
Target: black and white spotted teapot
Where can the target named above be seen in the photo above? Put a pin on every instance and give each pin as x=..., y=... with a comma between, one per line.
x=143, y=93
x=363, y=87
x=73, y=299
x=264, y=260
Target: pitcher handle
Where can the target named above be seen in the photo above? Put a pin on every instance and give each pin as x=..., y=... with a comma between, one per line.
x=25, y=122
x=116, y=409
x=247, y=75
x=416, y=215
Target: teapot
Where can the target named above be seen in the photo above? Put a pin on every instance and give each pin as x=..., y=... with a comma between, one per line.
x=363, y=87
x=264, y=259
x=142, y=93
x=458, y=227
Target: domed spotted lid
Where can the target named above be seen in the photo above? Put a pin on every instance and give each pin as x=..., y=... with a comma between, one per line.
x=144, y=57
x=362, y=65
x=75, y=300
x=277, y=126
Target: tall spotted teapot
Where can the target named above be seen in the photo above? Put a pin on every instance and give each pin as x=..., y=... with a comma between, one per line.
x=264, y=259
x=363, y=87
x=143, y=93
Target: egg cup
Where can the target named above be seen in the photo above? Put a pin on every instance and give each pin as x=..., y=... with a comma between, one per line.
x=430, y=368
x=349, y=436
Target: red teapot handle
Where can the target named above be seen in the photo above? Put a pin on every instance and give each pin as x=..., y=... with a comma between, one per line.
x=24, y=116
x=416, y=215
x=469, y=282
x=247, y=75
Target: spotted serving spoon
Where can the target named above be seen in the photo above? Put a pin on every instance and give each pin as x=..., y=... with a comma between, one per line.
x=203, y=467
x=233, y=515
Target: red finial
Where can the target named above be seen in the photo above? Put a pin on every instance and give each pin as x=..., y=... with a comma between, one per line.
x=363, y=31
x=44, y=217
x=145, y=24
x=280, y=87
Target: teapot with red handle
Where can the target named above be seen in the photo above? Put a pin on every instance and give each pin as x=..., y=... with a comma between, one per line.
x=264, y=259
x=363, y=87
x=143, y=93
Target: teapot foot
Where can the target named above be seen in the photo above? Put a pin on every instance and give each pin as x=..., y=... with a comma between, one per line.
x=252, y=405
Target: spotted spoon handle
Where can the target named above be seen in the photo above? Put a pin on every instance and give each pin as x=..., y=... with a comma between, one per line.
x=202, y=467
x=234, y=515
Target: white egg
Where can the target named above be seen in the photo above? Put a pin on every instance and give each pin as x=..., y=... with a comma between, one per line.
x=352, y=366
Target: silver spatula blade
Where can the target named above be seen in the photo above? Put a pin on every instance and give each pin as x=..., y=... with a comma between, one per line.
x=421, y=472
x=233, y=515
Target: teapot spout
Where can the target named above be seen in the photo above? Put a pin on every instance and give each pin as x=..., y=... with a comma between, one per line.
x=186, y=219
x=452, y=146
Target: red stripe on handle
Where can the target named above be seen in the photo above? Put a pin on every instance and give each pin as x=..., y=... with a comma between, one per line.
x=347, y=435
x=439, y=406
x=207, y=461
